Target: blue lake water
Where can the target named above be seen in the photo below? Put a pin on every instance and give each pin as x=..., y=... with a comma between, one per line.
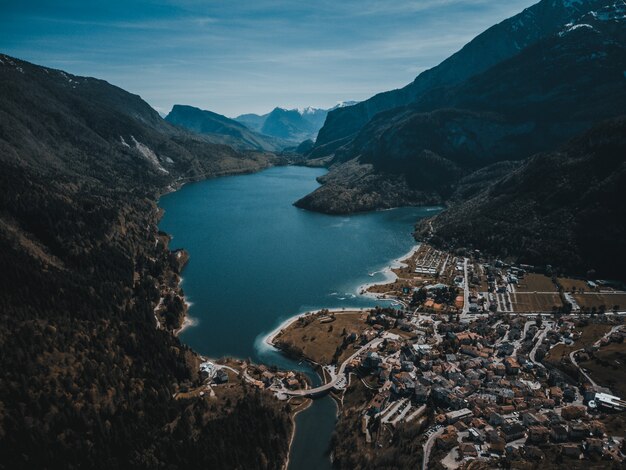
x=256, y=260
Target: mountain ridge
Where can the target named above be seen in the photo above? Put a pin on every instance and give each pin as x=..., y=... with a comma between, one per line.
x=91, y=368
x=529, y=103
x=295, y=124
x=223, y=130
x=495, y=44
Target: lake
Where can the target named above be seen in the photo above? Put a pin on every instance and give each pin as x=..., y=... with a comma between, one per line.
x=256, y=260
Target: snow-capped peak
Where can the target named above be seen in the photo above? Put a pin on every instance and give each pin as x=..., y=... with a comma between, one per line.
x=572, y=27
x=344, y=104
x=308, y=110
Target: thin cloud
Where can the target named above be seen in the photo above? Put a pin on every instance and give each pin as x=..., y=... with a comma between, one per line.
x=248, y=56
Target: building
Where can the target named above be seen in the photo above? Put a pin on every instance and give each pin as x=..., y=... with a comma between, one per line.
x=467, y=450
x=511, y=365
x=454, y=416
x=611, y=402
x=577, y=431
x=571, y=450
x=538, y=434
x=378, y=402
x=558, y=433
x=221, y=377
x=513, y=431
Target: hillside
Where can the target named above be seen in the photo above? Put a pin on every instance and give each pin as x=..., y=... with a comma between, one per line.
x=220, y=129
x=89, y=369
x=530, y=103
x=498, y=43
x=563, y=208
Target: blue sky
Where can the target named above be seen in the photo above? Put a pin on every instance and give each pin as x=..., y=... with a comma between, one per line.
x=240, y=56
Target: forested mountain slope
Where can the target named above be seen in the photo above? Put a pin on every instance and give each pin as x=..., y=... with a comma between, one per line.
x=87, y=378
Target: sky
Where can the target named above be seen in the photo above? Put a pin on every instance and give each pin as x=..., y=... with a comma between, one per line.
x=241, y=56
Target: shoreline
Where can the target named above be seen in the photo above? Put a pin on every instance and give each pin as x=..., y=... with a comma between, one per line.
x=293, y=431
x=269, y=338
x=188, y=320
x=390, y=276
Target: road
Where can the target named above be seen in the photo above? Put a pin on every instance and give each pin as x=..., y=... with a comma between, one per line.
x=340, y=374
x=428, y=446
x=573, y=359
x=465, y=288
x=597, y=343
x=533, y=353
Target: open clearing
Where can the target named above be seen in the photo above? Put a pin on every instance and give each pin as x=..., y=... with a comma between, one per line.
x=530, y=302
x=317, y=340
x=568, y=283
x=597, y=299
x=606, y=367
x=558, y=356
x=536, y=283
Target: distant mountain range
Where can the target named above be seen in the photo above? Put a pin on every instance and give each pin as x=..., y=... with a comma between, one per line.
x=533, y=101
x=275, y=131
x=220, y=129
x=296, y=125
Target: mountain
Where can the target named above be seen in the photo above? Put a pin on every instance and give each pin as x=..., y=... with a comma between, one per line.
x=295, y=125
x=564, y=208
x=498, y=43
x=221, y=129
x=532, y=102
x=90, y=367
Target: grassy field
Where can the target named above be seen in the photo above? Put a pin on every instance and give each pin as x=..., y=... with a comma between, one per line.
x=558, y=356
x=319, y=341
x=567, y=284
x=536, y=283
x=595, y=300
x=530, y=302
x=608, y=368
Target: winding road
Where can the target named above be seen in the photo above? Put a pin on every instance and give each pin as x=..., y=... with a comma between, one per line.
x=428, y=446
x=311, y=392
x=597, y=343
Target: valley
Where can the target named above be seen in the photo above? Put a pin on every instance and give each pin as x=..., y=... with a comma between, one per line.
x=432, y=277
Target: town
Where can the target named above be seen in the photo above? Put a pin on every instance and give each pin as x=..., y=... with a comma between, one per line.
x=488, y=361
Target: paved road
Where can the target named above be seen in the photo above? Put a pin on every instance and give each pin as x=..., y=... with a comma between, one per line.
x=428, y=446
x=597, y=343
x=540, y=337
x=465, y=288
x=340, y=374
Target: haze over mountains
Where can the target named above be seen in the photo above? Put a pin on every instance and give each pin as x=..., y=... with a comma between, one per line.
x=275, y=131
x=294, y=124
x=224, y=130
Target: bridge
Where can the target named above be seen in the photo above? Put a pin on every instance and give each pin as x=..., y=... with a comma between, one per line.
x=336, y=379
